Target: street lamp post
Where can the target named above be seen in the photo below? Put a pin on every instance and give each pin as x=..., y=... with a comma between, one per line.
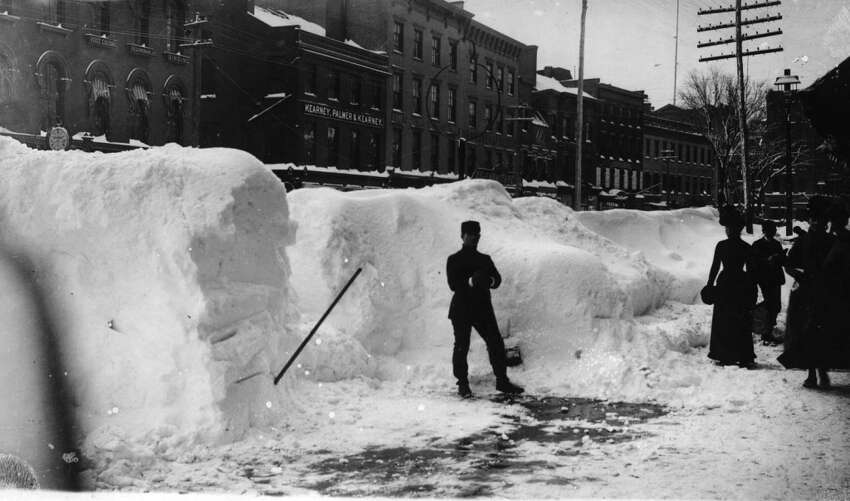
x=787, y=83
x=667, y=155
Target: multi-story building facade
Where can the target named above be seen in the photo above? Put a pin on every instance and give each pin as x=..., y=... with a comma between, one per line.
x=620, y=135
x=557, y=104
x=116, y=71
x=276, y=86
x=455, y=84
x=677, y=158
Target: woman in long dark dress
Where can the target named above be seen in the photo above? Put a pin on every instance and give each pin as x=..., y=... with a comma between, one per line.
x=735, y=293
x=807, y=340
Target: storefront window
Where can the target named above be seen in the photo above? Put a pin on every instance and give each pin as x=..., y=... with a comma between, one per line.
x=435, y=152
x=397, y=147
x=417, y=150
x=310, y=143
x=333, y=146
x=355, y=150
x=375, y=152
x=452, y=154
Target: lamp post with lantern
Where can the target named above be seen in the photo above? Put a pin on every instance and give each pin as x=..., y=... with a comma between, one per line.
x=787, y=84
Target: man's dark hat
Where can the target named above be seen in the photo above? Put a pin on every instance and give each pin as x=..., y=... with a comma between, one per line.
x=470, y=227
x=729, y=216
x=768, y=226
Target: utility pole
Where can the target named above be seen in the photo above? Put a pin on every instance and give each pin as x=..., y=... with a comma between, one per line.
x=580, y=109
x=738, y=39
x=676, y=55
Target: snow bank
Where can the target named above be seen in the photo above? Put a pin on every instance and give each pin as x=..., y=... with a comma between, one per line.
x=168, y=285
x=573, y=283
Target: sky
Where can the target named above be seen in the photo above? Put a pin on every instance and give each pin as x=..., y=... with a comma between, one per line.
x=631, y=43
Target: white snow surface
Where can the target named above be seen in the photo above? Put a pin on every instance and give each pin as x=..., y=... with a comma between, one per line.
x=168, y=280
x=181, y=280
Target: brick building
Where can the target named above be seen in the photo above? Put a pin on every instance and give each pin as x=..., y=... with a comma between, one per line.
x=454, y=82
x=114, y=70
x=677, y=158
x=620, y=136
x=276, y=86
x=557, y=104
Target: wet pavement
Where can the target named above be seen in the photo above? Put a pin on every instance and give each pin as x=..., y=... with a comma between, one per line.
x=482, y=464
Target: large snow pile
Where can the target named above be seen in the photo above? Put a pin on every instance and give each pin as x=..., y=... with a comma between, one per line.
x=573, y=283
x=168, y=285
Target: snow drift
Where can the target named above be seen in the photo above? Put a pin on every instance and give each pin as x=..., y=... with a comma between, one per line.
x=572, y=283
x=168, y=285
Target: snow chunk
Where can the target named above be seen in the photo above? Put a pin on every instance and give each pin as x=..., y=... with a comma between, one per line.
x=168, y=280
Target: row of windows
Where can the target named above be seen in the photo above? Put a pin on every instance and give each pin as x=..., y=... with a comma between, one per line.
x=418, y=46
x=622, y=179
x=97, y=18
x=496, y=160
x=496, y=75
x=657, y=183
x=54, y=87
x=355, y=157
x=371, y=94
x=677, y=151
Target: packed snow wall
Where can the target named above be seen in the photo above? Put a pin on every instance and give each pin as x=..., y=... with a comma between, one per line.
x=166, y=280
x=570, y=287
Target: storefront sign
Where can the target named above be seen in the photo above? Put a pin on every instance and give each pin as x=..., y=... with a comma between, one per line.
x=325, y=111
x=58, y=138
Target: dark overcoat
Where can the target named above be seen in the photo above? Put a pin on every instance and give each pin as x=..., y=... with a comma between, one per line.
x=471, y=304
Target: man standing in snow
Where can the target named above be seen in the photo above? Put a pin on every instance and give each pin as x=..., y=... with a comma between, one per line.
x=769, y=275
x=471, y=275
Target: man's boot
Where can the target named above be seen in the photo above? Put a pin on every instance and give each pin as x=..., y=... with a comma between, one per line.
x=505, y=386
x=463, y=390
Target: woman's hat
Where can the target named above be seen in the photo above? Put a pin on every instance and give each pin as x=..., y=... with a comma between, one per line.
x=729, y=216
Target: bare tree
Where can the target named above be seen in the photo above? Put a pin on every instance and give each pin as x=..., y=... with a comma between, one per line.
x=713, y=96
x=768, y=159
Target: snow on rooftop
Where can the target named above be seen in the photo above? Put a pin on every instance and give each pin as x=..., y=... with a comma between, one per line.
x=277, y=18
x=549, y=83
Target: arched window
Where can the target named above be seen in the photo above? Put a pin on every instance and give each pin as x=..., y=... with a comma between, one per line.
x=139, y=92
x=98, y=86
x=174, y=97
x=7, y=72
x=53, y=81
